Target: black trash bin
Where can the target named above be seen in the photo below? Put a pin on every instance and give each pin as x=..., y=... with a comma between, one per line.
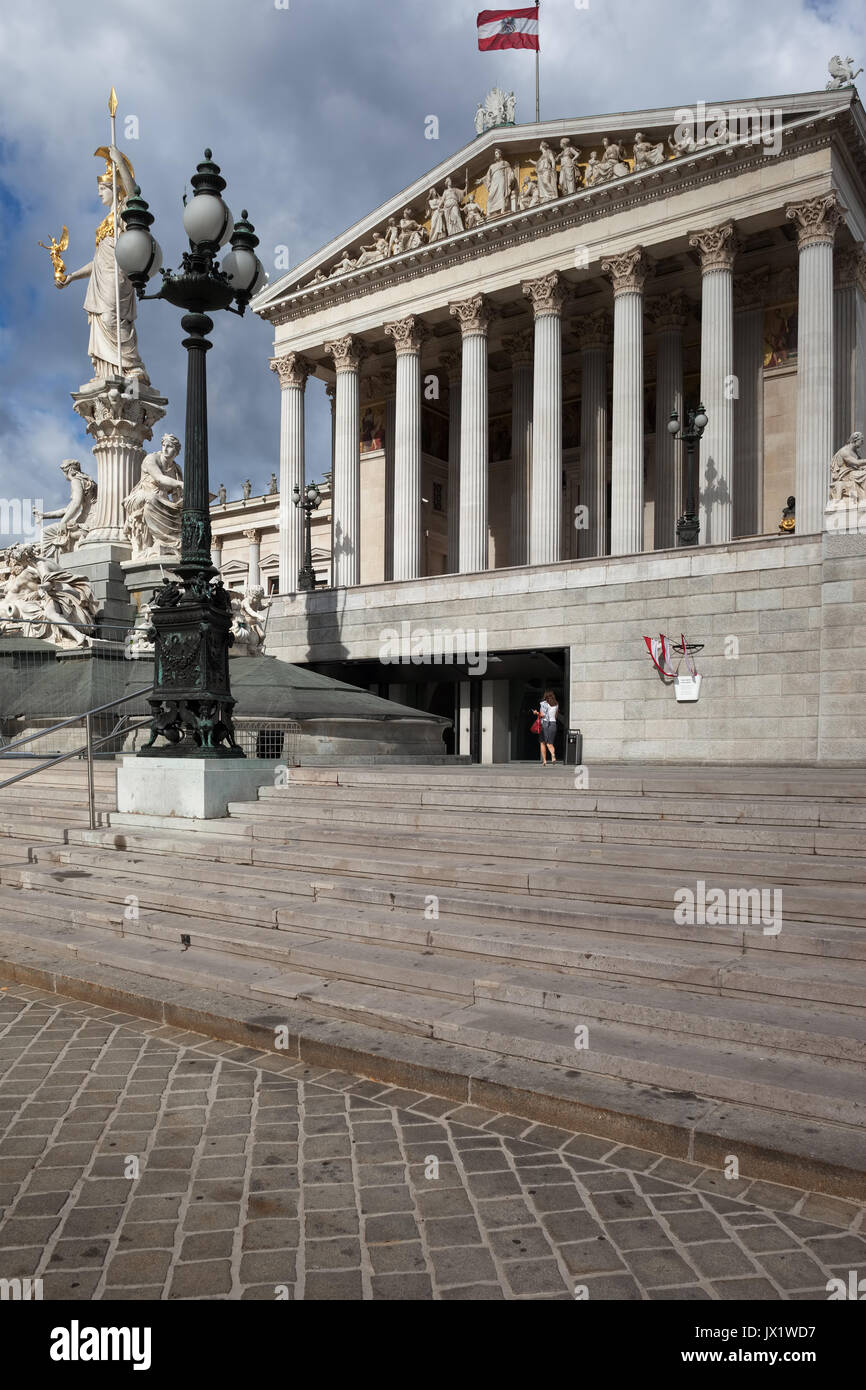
x=574, y=748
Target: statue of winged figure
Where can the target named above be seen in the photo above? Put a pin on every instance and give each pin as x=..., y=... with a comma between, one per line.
x=55, y=251
x=38, y=600
x=841, y=72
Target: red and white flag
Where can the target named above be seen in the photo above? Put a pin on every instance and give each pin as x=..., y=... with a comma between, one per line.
x=508, y=29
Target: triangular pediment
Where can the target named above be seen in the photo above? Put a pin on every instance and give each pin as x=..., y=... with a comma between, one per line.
x=544, y=169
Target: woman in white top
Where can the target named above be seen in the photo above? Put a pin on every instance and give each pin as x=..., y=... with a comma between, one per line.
x=547, y=734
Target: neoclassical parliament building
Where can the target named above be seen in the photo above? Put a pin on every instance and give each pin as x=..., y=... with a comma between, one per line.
x=504, y=343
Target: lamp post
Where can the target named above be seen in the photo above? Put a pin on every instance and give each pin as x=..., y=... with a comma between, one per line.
x=191, y=700
x=688, y=525
x=310, y=502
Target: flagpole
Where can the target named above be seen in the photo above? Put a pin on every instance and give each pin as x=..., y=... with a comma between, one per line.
x=112, y=108
x=537, y=51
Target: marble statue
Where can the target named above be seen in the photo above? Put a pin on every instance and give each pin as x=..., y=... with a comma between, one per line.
x=411, y=234
x=154, y=508
x=545, y=174
x=273, y=486
x=72, y=519
x=249, y=622
x=509, y=109
x=344, y=264
x=100, y=302
x=569, y=169
x=646, y=155
x=528, y=193
x=612, y=162
x=841, y=72
x=473, y=214
x=498, y=181
x=848, y=472
x=451, y=200
x=392, y=237
x=494, y=108
x=687, y=144
x=479, y=120
x=139, y=642
x=591, y=173
x=376, y=251
x=437, y=216
x=39, y=600
x=247, y=490
x=222, y=494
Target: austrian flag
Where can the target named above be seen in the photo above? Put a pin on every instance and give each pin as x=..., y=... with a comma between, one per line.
x=508, y=29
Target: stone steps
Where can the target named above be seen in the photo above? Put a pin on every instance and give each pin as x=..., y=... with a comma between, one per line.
x=741, y=1073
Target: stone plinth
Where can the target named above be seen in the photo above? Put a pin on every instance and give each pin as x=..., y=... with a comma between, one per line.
x=102, y=567
x=144, y=577
x=119, y=416
x=187, y=788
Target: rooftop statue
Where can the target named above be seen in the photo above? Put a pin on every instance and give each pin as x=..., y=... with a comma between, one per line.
x=841, y=72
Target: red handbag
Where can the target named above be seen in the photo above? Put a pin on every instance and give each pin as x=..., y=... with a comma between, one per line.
x=536, y=726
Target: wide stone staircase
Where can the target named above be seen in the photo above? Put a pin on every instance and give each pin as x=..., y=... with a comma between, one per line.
x=507, y=934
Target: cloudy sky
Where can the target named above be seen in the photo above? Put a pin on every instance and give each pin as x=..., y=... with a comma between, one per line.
x=315, y=110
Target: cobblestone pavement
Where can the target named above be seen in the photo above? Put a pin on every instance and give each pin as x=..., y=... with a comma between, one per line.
x=261, y=1178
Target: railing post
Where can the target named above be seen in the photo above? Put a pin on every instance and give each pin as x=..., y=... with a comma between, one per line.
x=91, y=802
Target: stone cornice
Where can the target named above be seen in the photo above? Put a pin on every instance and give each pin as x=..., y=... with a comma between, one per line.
x=717, y=247
x=816, y=219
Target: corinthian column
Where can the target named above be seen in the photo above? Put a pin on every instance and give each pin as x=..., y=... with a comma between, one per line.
x=668, y=315
x=593, y=336
x=474, y=317
x=292, y=370
x=451, y=368
x=816, y=221
x=849, y=334
x=749, y=293
x=408, y=335
x=519, y=349
x=389, y=387
x=545, y=499
x=347, y=354
x=717, y=247
x=627, y=272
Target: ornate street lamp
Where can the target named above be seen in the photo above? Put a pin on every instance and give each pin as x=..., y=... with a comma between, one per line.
x=191, y=701
x=688, y=526
x=310, y=503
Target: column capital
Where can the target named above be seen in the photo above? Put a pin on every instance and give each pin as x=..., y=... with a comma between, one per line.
x=451, y=363
x=547, y=294
x=348, y=353
x=519, y=347
x=408, y=334
x=668, y=311
x=750, y=290
x=849, y=268
x=292, y=369
x=627, y=270
x=474, y=315
x=593, y=330
x=717, y=246
x=816, y=219
x=253, y=536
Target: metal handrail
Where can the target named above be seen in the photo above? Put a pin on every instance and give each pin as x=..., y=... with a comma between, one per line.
x=77, y=718
x=87, y=747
